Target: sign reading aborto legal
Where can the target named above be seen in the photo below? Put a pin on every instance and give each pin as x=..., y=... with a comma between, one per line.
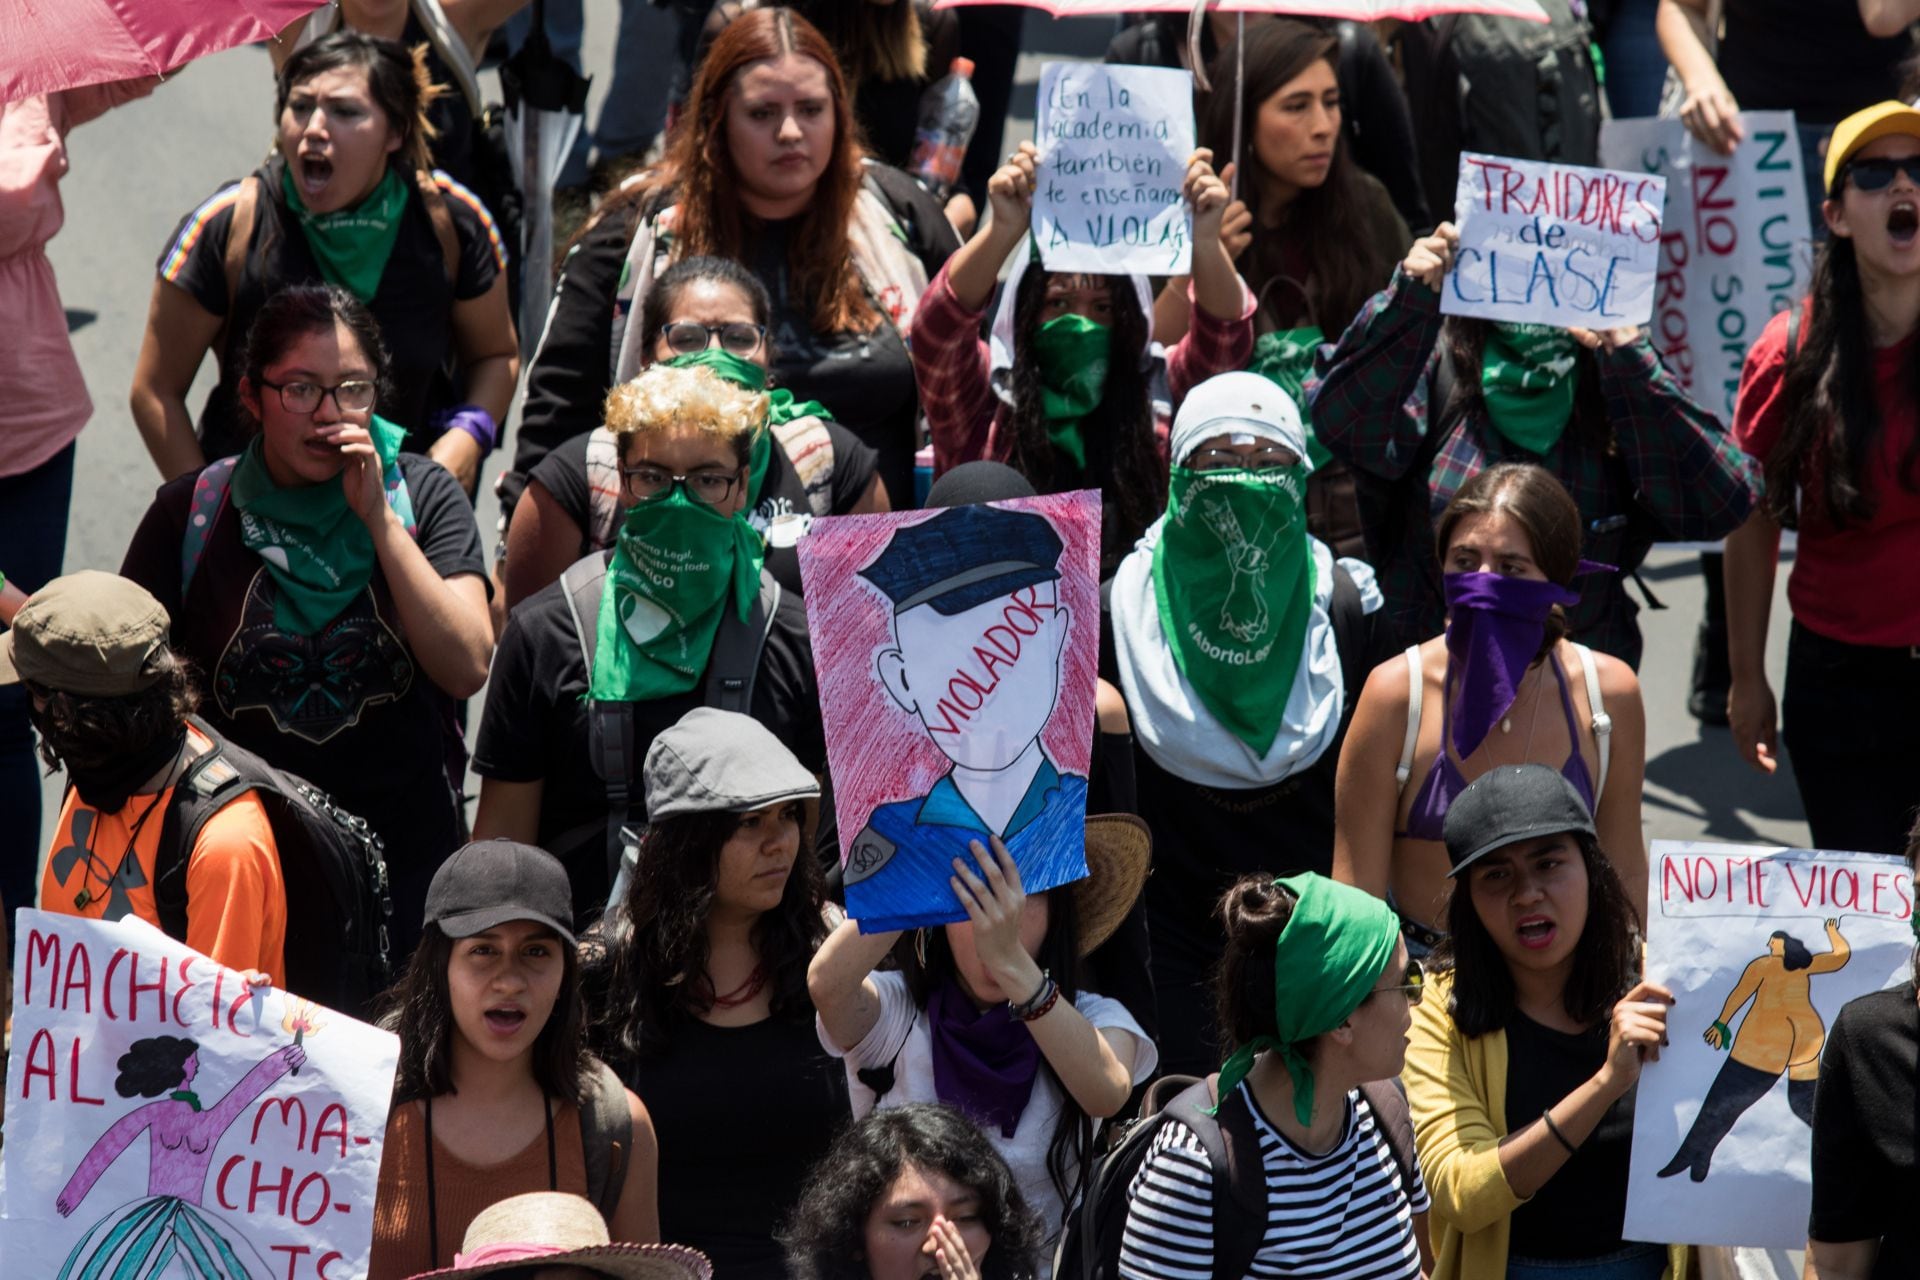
x=1556, y=244
x=1114, y=143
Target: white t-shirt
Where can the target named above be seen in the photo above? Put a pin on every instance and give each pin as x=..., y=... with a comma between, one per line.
x=900, y=1036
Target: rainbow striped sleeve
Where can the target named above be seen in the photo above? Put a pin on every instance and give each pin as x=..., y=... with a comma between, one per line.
x=175, y=260
x=473, y=202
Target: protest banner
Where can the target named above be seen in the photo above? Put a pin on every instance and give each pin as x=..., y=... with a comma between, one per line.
x=1554, y=244
x=957, y=653
x=163, y=1121
x=1114, y=143
x=1734, y=245
x=1761, y=946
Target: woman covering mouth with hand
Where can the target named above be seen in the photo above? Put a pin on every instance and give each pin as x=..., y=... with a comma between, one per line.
x=1524, y=1057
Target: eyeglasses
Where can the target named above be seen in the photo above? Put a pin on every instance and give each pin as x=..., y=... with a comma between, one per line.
x=1228, y=460
x=1416, y=982
x=649, y=481
x=353, y=396
x=1877, y=174
x=737, y=337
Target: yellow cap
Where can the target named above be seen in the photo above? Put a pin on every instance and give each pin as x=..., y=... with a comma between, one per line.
x=1881, y=120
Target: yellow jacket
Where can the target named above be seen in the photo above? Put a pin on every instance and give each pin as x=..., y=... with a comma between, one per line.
x=1457, y=1091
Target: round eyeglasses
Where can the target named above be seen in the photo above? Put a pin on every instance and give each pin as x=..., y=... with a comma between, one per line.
x=352, y=396
x=736, y=337
x=645, y=480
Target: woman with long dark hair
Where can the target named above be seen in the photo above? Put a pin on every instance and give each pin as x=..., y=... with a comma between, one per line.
x=990, y=1015
x=1503, y=684
x=349, y=197
x=1062, y=390
x=496, y=1093
x=701, y=994
x=1418, y=405
x=909, y=1192
x=1525, y=1053
x=764, y=166
x=1826, y=407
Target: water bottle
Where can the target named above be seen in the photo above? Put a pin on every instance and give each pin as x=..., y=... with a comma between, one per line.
x=949, y=110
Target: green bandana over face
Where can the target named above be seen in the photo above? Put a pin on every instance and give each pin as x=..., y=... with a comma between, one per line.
x=1333, y=950
x=1527, y=376
x=316, y=548
x=1285, y=358
x=1072, y=353
x=1233, y=576
x=782, y=408
x=352, y=245
x=676, y=564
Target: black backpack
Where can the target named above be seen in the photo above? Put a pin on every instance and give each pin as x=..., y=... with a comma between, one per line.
x=1090, y=1246
x=1526, y=89
x=331, y=862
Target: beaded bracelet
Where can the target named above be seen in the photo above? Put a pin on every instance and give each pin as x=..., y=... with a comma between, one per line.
x=1040, y=1003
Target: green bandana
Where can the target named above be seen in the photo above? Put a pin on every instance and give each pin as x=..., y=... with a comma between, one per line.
x=782, y=408
x=316, y=548
x=676, y=563
x=1233, y=575
x=187, y=1096
x=1072, y=353
x=1331, y=953
x=1527, y=377
x=1285, y=358
x=352, y=245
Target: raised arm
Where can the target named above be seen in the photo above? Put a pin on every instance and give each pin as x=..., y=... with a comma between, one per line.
x=265, y=1074
x=840, y=981
x=1836, y=958
x=1686, y=37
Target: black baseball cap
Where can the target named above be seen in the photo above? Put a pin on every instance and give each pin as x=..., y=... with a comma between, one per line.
x=1508, y=804
x=490, y=882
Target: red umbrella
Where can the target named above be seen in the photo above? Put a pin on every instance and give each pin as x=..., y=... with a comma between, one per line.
x=1358, y=10
x=60, y=44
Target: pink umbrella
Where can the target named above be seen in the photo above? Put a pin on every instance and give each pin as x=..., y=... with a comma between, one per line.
x=1358, y=10
x=60, y=44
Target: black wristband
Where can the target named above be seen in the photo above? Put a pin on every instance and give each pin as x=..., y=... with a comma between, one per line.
x=1546, y=1118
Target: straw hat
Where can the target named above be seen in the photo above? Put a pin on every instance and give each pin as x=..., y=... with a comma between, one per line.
x=553, y=1229
x=1119, y=852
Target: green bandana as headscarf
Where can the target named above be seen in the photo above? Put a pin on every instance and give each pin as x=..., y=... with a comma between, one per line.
x=1328, y=957
x=676, y=564
x=1071, y=352
x=782, y=408
x=1527, y=376
x=316, y=548
x=1233, y=575
x=352, y=245
x=1285, y=358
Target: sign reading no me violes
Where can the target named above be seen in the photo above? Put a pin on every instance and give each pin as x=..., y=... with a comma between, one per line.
x=1114, y=143
x=1555, y=244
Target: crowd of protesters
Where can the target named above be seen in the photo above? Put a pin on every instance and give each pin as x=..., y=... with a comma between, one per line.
x=1404, y=845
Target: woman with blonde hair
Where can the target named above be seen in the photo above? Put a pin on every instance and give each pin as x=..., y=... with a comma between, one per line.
x=679, y=612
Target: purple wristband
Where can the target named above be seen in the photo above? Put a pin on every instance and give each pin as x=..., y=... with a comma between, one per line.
x=476, y=422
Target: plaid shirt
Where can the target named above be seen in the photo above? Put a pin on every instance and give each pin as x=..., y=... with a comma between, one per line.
x=1674, y=472
x=969, y=420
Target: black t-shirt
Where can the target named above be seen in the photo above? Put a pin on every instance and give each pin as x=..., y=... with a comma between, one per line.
x=742, y=1114
x=1582, y=1209
x=534, y=727
x=563, y=473
x=1865, y=1182
x=1812, y=57
x=414, y=303
x=348, y=708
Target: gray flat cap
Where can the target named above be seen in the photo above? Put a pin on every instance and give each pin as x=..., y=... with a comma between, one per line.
x=721, y=761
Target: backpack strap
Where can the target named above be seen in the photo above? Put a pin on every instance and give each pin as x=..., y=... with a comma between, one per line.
x=246, y=208
x=606, y=1137
x=809, y=447
x=1416, y=696
x=1602, y=723
x=735, y=658
x=610, y=733
x=209, y=784
x=210, y=490
x=1391, y=1117
x=1231, y=1142
x=435, y=202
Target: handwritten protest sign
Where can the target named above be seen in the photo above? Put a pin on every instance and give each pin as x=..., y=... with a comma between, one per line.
x=957, y=653
x=1555, y=244
x=1734, y=246
x=1114, y=143
x=163, y=1121
x=1761, y=946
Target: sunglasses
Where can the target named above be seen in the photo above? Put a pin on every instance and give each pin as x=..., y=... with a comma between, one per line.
x=1877, y=174
x=1414, y=983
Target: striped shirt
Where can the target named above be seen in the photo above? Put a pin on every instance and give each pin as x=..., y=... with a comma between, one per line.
x=1344, y=1214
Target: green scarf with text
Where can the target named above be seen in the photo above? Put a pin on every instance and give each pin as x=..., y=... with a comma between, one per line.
x=352, y=245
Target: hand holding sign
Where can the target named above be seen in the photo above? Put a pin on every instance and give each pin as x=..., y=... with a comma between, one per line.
x=1432, y=256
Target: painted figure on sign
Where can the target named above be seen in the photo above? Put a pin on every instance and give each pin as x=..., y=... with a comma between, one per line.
x=979, y=633
x=1782, y=1032
x=143, y=1238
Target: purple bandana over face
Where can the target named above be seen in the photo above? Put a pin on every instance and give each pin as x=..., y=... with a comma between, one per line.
x=1495, y=625
x=983, y=1062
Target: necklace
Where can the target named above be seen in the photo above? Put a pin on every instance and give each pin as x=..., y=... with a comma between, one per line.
x=742, y=993
x=86, y=896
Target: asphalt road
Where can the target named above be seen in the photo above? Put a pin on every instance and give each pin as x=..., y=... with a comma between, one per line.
x=138, y=170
